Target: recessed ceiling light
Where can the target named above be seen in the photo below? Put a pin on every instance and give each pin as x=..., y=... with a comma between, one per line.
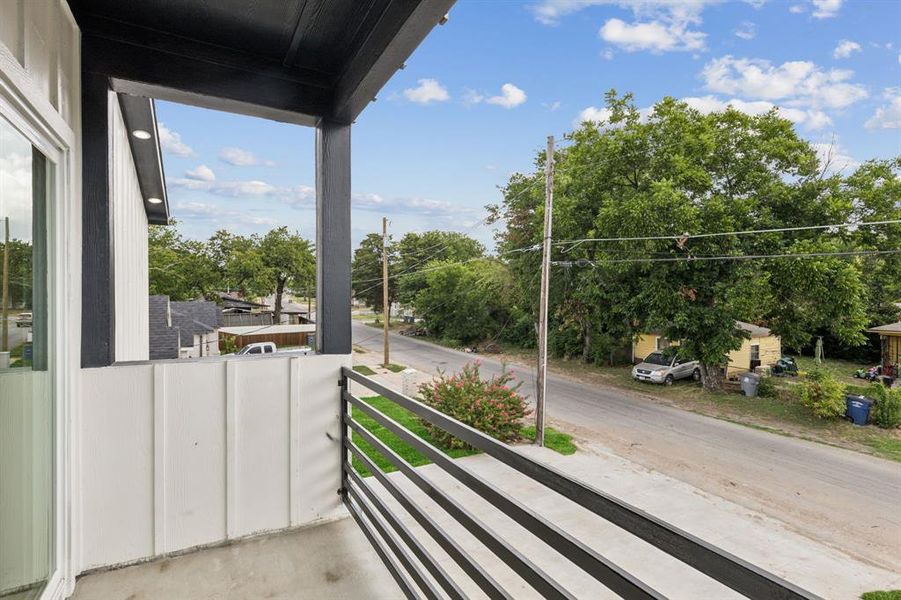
x=141, y=134
x=154, y=200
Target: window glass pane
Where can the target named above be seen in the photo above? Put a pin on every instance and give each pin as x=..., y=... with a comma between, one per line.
x=26, y=406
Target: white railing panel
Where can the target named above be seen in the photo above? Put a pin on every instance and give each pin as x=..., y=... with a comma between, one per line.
x=178, y=454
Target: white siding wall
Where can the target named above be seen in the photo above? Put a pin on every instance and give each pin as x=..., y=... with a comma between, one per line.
x=176, y=455
x=129, y=222
x=41, y=39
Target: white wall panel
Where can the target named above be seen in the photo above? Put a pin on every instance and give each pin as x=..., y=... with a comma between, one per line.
x=194, y=454
x=182, y=454
x=261, y=438
x=129, y=223
x=117, y=458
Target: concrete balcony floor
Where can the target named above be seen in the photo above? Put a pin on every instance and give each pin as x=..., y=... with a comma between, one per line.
x=333, y=560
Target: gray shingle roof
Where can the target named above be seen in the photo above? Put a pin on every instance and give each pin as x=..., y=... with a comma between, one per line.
x=188, y=319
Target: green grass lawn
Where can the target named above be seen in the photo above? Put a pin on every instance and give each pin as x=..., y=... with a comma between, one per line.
x=887, y=595
x=364, y=370
x=843, y=370
x=395, y=368
x=555, y=440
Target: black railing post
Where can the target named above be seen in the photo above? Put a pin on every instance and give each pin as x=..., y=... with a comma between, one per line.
x=344, y=385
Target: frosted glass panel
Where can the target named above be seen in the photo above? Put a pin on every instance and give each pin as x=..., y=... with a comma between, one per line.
x=26, y=399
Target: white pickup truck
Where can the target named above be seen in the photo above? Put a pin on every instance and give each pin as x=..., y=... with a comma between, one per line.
x=270, y=348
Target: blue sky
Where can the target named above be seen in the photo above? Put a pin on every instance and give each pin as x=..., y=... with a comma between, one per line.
x=479, y=97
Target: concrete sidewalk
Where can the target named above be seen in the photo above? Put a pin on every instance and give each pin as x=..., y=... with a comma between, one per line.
x=751, y=535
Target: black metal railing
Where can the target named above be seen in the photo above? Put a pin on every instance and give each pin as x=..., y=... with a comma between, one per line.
x=397, y=545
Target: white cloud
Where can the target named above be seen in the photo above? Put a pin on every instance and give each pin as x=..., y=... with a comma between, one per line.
x=428, y=91
x=249, y=189
x=510, y=97
x=170, y=142
x=414, y=205
x=811, y=119
x=756, y=3
x=552, y=106
x=242, y=158
x=472, y=97
x=889, y=115
x=549, y=12
x=212, y=212
x=201, y=173
x=746, y=31
x=797, y=83
x=845, y=49
x=796, y=9
x=607, y=54
x=654, y=36
x=593, y=114
x=825, y=9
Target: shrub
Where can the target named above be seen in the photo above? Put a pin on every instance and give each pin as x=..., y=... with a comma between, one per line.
x=887, y=408
x=823, y=394
x=767, y=388
x=492, y=406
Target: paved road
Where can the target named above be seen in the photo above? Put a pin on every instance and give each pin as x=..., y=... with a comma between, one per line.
x=846, y=499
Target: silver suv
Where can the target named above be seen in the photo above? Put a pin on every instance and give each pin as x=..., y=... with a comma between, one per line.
x=665, y=367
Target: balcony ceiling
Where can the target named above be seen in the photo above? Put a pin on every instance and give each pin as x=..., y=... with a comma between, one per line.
x=292, y=60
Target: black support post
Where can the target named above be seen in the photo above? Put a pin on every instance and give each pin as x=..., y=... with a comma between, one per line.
x=333, y=251
x=98, y=318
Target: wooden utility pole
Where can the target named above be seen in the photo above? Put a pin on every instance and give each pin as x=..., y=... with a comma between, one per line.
x=5, y=306
x=385, y=306
x=545, y=286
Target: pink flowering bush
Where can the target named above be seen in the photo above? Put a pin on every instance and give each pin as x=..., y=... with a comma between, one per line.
x=494, y=407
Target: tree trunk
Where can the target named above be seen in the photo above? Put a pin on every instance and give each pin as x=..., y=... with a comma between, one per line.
x=711, y=377
x=279, y=290
x=586, y=342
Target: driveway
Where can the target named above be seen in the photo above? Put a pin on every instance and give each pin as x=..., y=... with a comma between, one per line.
x=835, y=496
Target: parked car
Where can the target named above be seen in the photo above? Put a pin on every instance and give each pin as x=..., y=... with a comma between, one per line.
x=666, y=367
x=257, y=348
x=24, y=319
x=271, y=348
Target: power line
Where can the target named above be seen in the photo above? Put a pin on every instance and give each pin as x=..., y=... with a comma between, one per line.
x=581, y=263
x=684, y=237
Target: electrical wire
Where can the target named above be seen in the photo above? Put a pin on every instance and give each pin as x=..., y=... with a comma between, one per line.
x=579, y=263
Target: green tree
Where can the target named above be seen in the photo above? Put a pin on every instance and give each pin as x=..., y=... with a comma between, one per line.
x=673, y=171
x=367, y=272
x=178, y=267
x=415, y=250
x=287, y=260
x=239, y=262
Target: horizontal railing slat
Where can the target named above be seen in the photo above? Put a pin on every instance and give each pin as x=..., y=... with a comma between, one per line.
x=440, y=575
x=475, y=571
x=730, y=570
x=522, y=566
x=404, y=584
x=604, y=571
x=421, y=579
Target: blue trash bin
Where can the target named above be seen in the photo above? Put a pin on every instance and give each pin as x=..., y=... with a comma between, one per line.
x=858, y=409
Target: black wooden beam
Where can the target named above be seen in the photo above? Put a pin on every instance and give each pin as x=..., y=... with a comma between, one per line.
x=98, y=324
x=333, y=249
x=144, y=62
x=400, y=29
x=139, y=113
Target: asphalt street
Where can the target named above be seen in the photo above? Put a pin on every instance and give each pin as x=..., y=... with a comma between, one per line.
x=843, y=498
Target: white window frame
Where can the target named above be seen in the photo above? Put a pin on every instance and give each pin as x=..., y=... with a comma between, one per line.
x=36, y=119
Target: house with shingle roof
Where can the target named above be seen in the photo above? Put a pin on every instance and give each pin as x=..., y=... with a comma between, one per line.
x=183, y=329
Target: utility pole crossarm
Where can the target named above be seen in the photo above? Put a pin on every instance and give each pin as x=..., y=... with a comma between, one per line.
x=545, y=286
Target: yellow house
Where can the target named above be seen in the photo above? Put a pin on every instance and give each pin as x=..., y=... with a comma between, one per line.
x=890, y=336
x=763, y=348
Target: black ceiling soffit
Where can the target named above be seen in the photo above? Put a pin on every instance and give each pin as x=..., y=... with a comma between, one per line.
x=139, y=115
x=297, y=61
